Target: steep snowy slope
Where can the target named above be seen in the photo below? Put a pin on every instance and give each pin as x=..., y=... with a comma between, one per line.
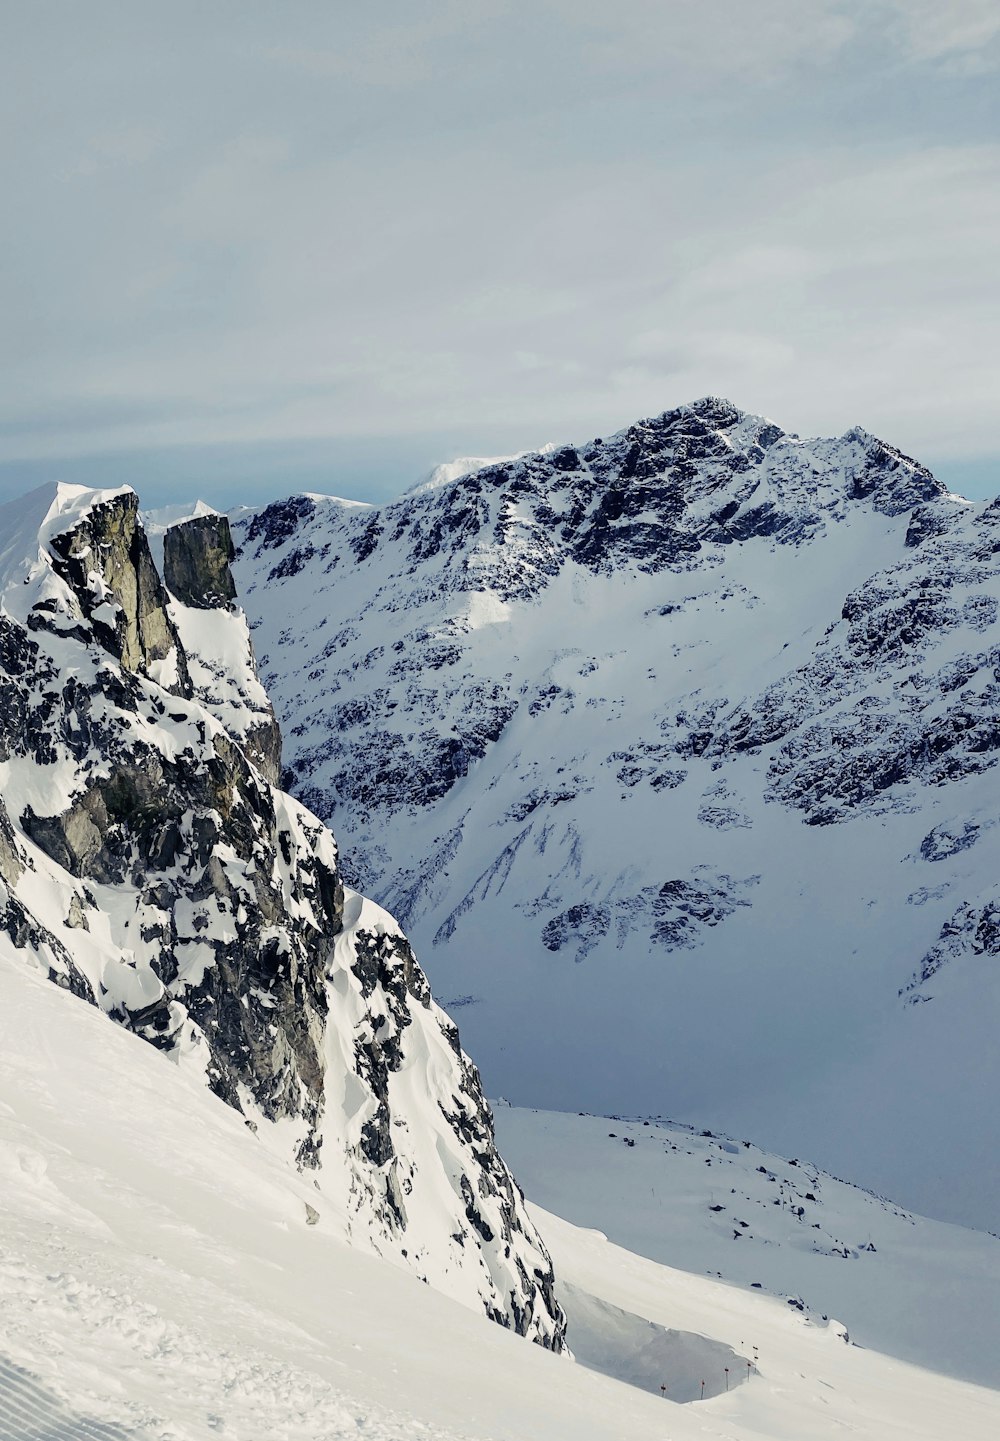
x=149, y=865
x=901, y=1284
x=160, y=1278
x=676, y=754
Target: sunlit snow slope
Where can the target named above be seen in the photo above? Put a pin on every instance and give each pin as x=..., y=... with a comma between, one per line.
x=921, y=1290
x=676, y=753
x=160, y=1277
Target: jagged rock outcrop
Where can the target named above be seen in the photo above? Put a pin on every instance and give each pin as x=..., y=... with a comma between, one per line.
x=10, y=862
x=107, y=564
x=149, y=864
x=220, y=658
x=972, y=933
x=196, y=556
x=642, y=740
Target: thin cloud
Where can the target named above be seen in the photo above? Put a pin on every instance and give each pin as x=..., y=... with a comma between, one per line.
x=951, y=30
x=696, y=41
x=540, y=220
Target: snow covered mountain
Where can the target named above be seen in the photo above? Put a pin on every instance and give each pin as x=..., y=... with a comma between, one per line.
x=150, y=865
x=676, y=755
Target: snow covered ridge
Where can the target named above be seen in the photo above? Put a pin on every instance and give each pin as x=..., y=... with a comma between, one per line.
x=150, y=865
x=900, y=1284
x=679, y=749
x=452, y=470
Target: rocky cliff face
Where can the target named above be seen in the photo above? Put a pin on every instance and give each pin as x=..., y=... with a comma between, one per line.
x=107, y=564
x=196, y=557
x=655, y=745
x=219, y=656
x=149, y=864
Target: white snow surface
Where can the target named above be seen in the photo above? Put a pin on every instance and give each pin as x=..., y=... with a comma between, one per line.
x=921, y=1290
x=222, y=666
x=676, y=756
x=160, y=1278
x=451, y=470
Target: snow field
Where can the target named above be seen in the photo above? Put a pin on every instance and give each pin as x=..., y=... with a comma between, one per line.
x=899, y=1283
x=160, y=1279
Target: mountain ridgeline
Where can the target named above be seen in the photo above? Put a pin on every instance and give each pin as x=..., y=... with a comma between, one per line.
x=150, y=864
x=676, y=754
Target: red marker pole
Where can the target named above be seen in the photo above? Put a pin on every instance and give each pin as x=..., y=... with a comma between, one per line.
x=727, y=1378
x=703, y=1390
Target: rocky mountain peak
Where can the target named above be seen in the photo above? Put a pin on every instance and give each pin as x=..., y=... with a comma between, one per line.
x=660, y=494
x=105, y=559
x=149, y=864
x=196, y=557
x=649, y=704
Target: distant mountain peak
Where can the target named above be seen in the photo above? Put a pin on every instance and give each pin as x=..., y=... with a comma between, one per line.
x=653, y=730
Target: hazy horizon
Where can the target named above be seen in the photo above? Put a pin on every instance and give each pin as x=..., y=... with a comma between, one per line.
x=322, y=246
x=368, y=468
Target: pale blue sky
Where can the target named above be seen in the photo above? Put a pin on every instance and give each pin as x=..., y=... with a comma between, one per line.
x=253, y=247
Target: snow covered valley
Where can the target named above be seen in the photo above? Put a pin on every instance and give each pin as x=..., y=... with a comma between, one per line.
x=920, y=1290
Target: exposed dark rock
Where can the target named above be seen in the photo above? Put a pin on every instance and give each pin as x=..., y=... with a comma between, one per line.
x=196, y=556
x=581, y=926
x=107, y=561
x=263, y=745
x=225, y=942
x=11, y=865
x=682, y=907
x=272, y=526
x=894, y=482
x=926, y=521
x=944, y=841
x=973, y=930
x=23, y=929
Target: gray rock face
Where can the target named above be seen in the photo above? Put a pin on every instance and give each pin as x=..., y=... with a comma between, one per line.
x=196, y=556
x=107, y=561
x=10, y=861
x=196, y=904
x=196, y=833
x=202, y=844
x=21, y=928
x=263, y=744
